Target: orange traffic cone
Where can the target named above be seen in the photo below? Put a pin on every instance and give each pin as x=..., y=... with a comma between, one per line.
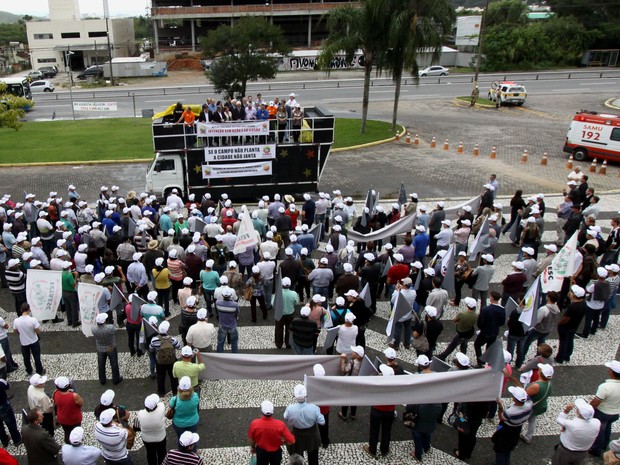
x=433, y=143
x=493, y=154
x=408, y=138
x=476, y=150
x=460, y=149
x=446, y=145
x=603, y=169
x=524, y=156
x=569, y=163
x=416, y=141
x=593, y=166
x=397, y=137
x=543, y=161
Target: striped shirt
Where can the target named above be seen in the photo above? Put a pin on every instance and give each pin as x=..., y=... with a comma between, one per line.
x=177, y=457
x=177, y=269
x=16, y=279
x=113, y=440
x=516, y=415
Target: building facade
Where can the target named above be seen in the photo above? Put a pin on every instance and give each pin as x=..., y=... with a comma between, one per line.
x=179, y=24
x=66, y=40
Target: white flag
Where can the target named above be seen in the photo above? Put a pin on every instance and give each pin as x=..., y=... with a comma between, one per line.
x=530, y=304
x=89, y=296
x=480, y=242
x=246, y=237
x=43, y=293
x=564, y=265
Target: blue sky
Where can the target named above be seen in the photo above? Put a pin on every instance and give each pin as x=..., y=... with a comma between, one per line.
x=94, y=7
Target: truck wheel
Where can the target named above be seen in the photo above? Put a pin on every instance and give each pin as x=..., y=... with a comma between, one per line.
x=580, y=154
x=520, y=104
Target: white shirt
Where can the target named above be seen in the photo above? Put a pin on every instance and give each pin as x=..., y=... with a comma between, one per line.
x=2, y=355
x=269, y=246
x=200, y=334
x=2, y=329
x=174, y=202
x=80, y=262
x=26, y=325
x=444, y=237
x=217, y=294
x=578, y=434
x=80, y=455
x=609, y=393
x=346, y=338
x=266, y=268
x=38, y=398
x=229, y=240
x=153, y=424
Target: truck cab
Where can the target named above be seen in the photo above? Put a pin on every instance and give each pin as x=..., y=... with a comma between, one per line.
x=164, y=174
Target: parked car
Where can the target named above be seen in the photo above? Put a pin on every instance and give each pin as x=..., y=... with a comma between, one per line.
x=35, y=75
x=41, y=86
x=93, y=71
x=434, y=71
x=49, y=71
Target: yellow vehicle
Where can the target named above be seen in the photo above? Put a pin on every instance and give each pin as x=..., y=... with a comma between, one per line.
x=509, y=92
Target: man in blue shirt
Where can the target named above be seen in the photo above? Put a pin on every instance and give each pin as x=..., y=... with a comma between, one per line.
x=303, y=419
x=228, y=314
x=420, y=243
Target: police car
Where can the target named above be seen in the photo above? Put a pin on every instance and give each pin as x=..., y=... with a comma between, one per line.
x=509, y=92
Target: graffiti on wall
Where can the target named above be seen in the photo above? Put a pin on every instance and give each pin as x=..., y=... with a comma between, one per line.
x=309, y=63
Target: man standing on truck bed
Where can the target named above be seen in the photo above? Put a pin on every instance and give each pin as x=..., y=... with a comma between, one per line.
x=188, y=119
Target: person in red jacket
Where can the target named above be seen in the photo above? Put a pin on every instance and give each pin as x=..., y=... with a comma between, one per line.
x=293, y=213
x=513, y=283
x=397, y=272
x=267, y=435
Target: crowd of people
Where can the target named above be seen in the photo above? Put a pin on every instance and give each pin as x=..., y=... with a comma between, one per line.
x=184, y=252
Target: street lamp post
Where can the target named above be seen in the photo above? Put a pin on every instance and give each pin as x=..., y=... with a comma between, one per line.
x=68, y=54
x=479, y=57
x=106, y=14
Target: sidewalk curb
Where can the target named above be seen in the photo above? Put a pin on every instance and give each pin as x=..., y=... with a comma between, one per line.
x=608, y=103
x=370, y=144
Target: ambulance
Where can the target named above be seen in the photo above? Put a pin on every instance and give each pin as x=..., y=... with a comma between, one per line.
x=594, y=135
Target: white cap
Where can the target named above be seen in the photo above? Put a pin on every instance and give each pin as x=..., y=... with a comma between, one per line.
x=507, y=357
x=37, y=379
x=531, y=219
x=164, y=326
x=305, y=311
x=546, y=369
x=77, y=435
x=300, y=392
x=151, y=401
x=340, y=301
x=191, y=300
x=389, y=353
x=431, y=311
x=386, y=370
x=101, y=318
x=187, y=281
x=223, y=280
x=187, y=351
x=466, y=222
x=529, y=250
x=584, y=409
x=151, y=296
x=107, y=416
x=518, y=265
x=318, y=369
x=107, y=397
x=201, y=314
x=99, y=277
x=188, y=438
x=288, y=251
x=359, y=350
x=470, y=302
x=351, y=293
x=518, y=393
x=551, y=247
x=303, y=251
x=349, y=317
x=159, y=261
x=266, y=407
x=185, y=383
x=488, y=257
x=286, y=282
x=417, y=265
x=442, y=253
x=347, y=267
x=62, y=382
x=600, y=271
x=255, y=270
x=420, y=228
x=423, y=361
x=209, y=263
x=440, y=204
x=614, y=268
x=173, y=253
x=578, y=290
x=398, y=257
x=429, y=271
x=462, y=359
x=329, y=248
x=614, y=366
x=137, y=256
x=449, y=223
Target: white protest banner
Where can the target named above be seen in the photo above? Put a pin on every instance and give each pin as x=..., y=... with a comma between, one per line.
x=43, y=293
x=95, y=106
x=480, y=241
x=237, y=170
x=240, y=153
x=88, y=295
x=254, y=128
x=246, y=236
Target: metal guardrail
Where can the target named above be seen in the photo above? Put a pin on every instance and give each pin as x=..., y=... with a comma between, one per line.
x=334, y=84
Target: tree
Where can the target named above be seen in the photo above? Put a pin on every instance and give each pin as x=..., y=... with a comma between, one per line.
x=506, y=13
x=11, y=109
x=414, y=26
x=143, y=27
x=248, y=51
x=351, y=29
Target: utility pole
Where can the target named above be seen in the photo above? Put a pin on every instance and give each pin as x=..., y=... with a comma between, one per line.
x=68, y=54
x=479, y=57
x=106, y=14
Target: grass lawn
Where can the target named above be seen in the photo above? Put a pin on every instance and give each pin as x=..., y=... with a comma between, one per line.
x=82, y=140
x=348, y=132
x=481, y=100
x=124, y=138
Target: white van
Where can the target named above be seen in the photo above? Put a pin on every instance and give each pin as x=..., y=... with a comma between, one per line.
x=594, y=135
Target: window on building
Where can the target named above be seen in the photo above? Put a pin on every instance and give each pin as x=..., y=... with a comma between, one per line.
x=46, y=60
x=70, y=35
x=97, y=34
x=43, y=36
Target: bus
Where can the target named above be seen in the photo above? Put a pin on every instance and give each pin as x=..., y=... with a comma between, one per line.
x=19, y=87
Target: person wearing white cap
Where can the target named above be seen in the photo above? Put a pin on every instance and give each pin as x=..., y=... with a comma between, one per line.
x=76, y=453
x=547, y=318
x=606, y=404
x=163, y=346
x=321, y=278
x=569, y=323
x=304, y=418
x=577, y=435
x=174, y=202
x=282, y=328
x=137, y=280
x=152, y=423
x=284, y=223
x=347, y=332
x=434, y=226
x=29, y=329
x=599, y=292
x=305, y=331
x=202, y=333
x=185, y=405
x=465, y=328
x=350, y=365
x=105, y=339
x=185, y=367
x=539, y=392
x=16, y=280
x=511, y=421
x=113, y=439
x=513, y=283
x=426, y=417
x=227, y=311
x=210, y=280
x=255, y=285
x=37, y=398
x=266, y=436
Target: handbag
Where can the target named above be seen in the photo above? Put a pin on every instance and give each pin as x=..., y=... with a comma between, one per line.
x=458, y=420
x=131, y=433
x=170, y=411
x=247, y=293
x=409, y=419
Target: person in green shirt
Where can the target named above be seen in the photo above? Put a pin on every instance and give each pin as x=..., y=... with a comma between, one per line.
x=210, y=280
x=69, y=280
x=290, y=300
x=465, y=328
x=185, y=367
x=151, y=308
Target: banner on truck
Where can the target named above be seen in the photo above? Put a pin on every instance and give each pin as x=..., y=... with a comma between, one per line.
x=237, y=170
x=258, y=128
x=241, y=153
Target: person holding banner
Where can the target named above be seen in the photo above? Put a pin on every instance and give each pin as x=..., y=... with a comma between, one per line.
x=304, y=419
x=381, y=420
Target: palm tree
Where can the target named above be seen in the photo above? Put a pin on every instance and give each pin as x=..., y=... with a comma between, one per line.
x=414, y=26
x=351, y=28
